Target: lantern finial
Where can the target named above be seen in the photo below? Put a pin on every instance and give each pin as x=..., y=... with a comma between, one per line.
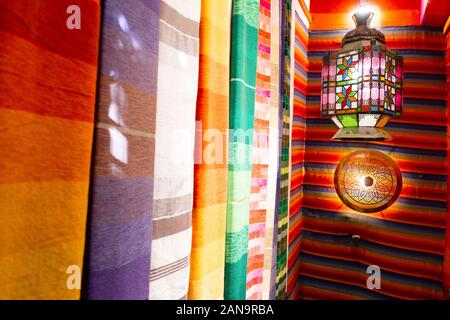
x=363, y=18
x=363, y=31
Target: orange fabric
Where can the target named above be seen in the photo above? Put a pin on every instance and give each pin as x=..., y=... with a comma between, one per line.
x=210, y=179
x=47, y=97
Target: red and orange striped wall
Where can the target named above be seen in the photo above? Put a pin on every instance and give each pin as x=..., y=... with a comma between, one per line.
x=301, y=63
x=407, y=240
x=410, y=240
x=447, y=244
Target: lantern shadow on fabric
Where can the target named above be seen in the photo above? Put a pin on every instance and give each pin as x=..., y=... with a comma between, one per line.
x=362, y=84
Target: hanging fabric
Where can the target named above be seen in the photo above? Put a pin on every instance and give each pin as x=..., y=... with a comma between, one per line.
x=269, y=272
x=119, y=230
x=211, y=173
x=300, y=74
x=283, y=214
x=447, y=229
x=244, y=44
x=174, y=150
x=48, y=75
x=260, y=156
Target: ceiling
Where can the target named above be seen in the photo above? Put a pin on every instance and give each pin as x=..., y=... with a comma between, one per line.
x=336, y=14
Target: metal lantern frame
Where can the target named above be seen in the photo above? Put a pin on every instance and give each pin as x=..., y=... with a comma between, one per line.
x=362, y=84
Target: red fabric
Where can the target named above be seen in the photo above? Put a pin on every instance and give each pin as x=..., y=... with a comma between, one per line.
x=447, y=242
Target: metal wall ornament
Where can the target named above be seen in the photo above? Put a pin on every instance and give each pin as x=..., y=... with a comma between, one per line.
x=362, y=83
x=368, y=181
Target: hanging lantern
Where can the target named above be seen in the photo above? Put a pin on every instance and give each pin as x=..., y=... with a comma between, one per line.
x=362, y=83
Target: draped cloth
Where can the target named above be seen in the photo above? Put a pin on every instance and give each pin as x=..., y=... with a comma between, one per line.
x=260, y=155
x=447, y=242
x=48, y=78
x=283, y=216
x=211, y=172
x=119, y=237
x=300, y=73
x=269, y=269
x=244, y=43
x=174, y=148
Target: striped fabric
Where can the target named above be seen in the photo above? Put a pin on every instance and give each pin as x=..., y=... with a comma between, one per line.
x=269, y=268
x=260, y=155
x=118, y=242
x=48, y=78
x=297, y=153
x=211, y=171
x=406, y=240
x=174, y=148
x=447, y=242
x=283, y=218
x=244, y=44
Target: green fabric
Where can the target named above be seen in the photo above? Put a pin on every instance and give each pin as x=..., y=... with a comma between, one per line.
x=283, y=213
x=244, y=43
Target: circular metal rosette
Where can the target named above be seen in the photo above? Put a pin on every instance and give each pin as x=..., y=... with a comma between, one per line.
x=368, y=181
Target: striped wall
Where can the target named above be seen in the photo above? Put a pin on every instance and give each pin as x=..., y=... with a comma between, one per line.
x=297, y=150
x=447, y=244
x=407, y=240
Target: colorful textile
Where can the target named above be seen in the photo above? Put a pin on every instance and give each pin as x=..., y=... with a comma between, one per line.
x=211, y=171
x=283, y=218
x=244, y=44
x=447, y=242
x=48, y=78
x=269, y=268
x=260, y=162
x=297, y=153
x=407, y=240
x=174, y=148
x=118, y=242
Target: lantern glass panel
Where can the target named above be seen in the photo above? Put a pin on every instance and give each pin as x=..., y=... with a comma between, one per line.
x=346, y=97
x=368, y=119
x=348, y=120
x=362, y=85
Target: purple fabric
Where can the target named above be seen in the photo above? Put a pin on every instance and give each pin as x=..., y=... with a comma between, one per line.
x=117, y=259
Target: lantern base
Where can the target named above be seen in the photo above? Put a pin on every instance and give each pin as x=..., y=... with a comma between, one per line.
x=362, y=133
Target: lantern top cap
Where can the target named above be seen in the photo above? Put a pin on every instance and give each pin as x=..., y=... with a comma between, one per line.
x=363, y=31
x=363, y=18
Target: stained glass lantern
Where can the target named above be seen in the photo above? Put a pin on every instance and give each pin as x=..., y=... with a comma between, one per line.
x=362, y=83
